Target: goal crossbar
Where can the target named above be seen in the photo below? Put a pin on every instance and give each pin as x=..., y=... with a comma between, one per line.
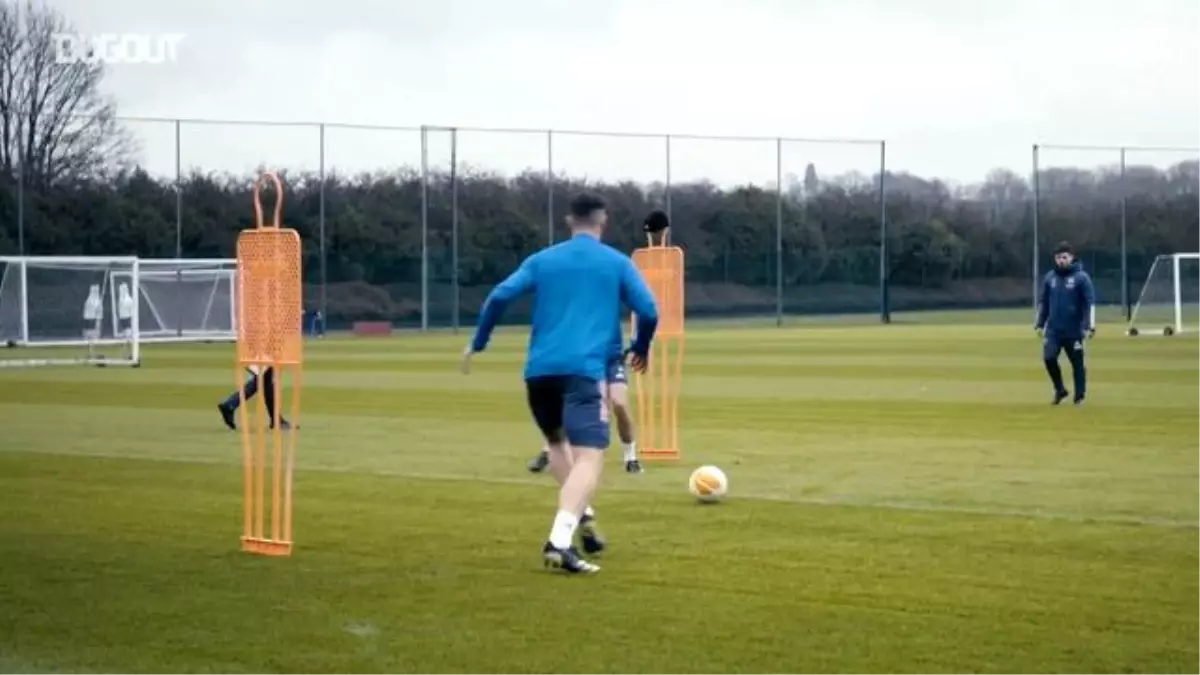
x=69, y=261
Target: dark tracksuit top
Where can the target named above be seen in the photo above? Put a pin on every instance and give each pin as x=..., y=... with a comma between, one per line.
x=1067, y=306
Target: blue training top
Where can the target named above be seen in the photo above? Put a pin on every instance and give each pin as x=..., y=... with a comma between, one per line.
x=578, y=288
x=1067, y=304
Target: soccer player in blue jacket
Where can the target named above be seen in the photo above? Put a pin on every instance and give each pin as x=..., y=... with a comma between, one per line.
x=578, y=286
x=1066, y=318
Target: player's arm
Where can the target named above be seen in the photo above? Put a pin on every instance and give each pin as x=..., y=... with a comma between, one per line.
x=1087, y=304
x=1043, y=308
x=517, y=284
x=637, y=296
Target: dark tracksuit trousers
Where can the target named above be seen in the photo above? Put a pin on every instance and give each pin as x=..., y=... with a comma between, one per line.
x=1074, y=347
x=251, y=388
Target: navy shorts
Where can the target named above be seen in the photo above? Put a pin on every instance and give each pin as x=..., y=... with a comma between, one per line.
x=616, y=372
x=1052, y=345
x=570, y=407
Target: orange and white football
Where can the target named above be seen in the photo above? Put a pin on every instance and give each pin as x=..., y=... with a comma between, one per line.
x=708, y=484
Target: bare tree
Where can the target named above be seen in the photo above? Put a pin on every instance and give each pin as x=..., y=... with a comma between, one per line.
x=54, y=122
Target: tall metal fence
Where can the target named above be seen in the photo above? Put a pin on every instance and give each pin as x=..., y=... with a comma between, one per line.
x=1121, y=192
x=415, y=224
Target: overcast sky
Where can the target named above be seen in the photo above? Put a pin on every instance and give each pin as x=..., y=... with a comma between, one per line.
x=956, y=87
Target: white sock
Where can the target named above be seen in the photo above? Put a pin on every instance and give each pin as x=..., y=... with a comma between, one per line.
x=563, y=530
x=630, y=450
x=589, y=513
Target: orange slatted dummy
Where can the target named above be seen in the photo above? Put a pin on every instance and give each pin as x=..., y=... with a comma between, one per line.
x=270, y=307
x=658, y=389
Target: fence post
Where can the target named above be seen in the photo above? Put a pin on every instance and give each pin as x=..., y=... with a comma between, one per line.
x=178, y=193
x=550, y=186
x=1037, y=201
x=21, y=197
x=1126, y=310
x=321, y=234
x=454, y=320
x=667, y=187
x=778, y=232
x=178, y=231
x=885, y=310
x=424, y=228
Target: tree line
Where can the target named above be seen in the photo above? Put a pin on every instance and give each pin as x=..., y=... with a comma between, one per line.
x=946, y=247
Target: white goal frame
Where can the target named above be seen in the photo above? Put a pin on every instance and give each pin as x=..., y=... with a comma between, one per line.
x=1177, y=326
x=170, y=269
x=132, y=340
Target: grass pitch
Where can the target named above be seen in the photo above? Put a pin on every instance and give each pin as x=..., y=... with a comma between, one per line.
x=903, y=499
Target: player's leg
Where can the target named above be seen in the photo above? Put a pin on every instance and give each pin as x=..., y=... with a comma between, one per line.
x=547, y=396
x=585, y=422
x=269, y=398
x=560, y=459
x=1050, y=348
x=229, y=406
x=618, y=396
x=540, y=461
x=1075, y=352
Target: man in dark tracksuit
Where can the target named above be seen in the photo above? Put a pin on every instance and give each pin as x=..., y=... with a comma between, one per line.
x=229, y=406
x=1066, y=318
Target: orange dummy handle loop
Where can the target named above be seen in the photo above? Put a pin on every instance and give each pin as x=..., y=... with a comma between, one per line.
x=258, y=212
x=664, y=239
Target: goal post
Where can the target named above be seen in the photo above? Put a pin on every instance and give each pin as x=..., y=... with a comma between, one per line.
x=68, y=310
x=188, y=300
x=1169, y=300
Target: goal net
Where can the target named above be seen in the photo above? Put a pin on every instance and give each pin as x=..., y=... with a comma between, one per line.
x=68, y=310
x=187, y=300
x=1169, y=301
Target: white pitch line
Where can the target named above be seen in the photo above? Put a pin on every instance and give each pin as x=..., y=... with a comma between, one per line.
x=885, y=505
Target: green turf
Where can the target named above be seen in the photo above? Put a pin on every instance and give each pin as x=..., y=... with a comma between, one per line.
x=903, y=499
